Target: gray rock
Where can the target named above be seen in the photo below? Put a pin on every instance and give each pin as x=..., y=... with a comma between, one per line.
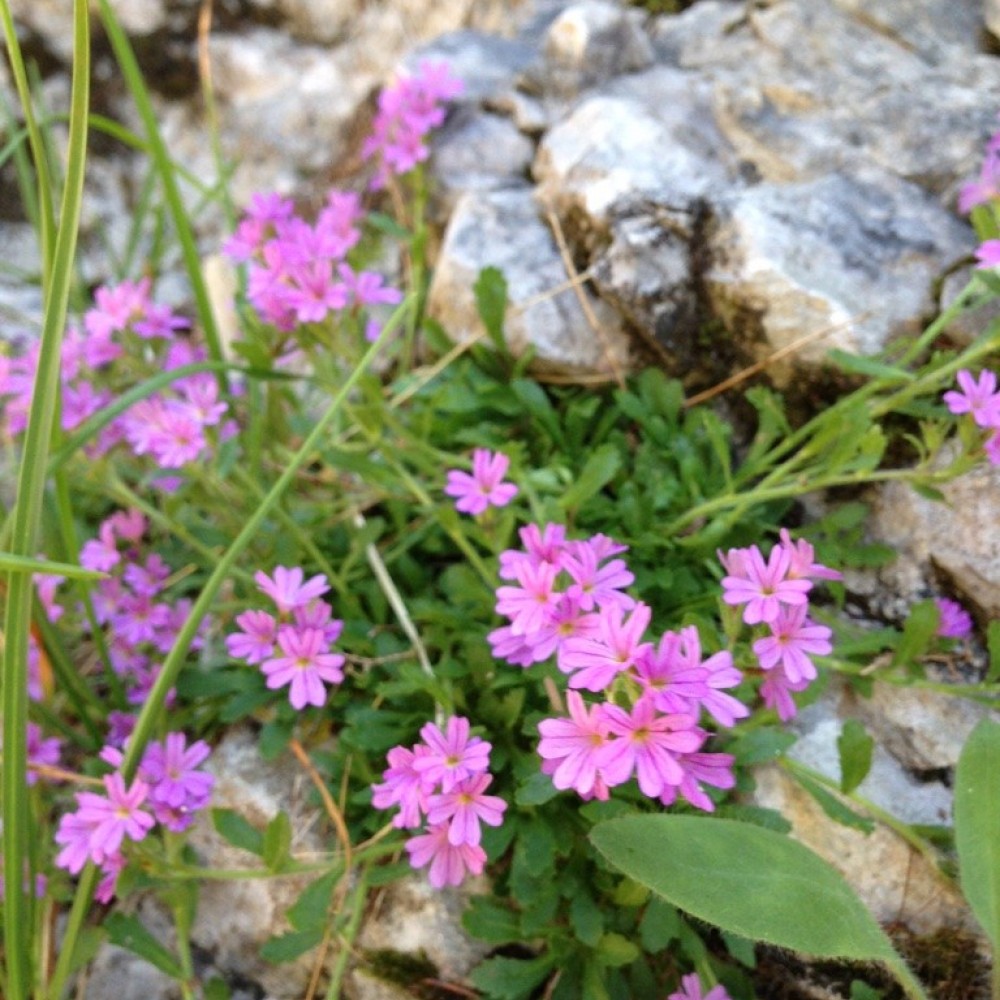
x=991, y=17
x=648, y=140
x=411, y=918
x=503, y=229
x=477, y=151
x=594, y=40
x=856, y=257
x=955, y=543
x=234, y=918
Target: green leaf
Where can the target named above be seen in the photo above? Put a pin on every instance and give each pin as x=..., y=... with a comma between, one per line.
x=859, y=365
x=537, y=845
x=310, y=910
x=586, y=919
x=745, y=880
x=862, y=991
x=918, y=632
x=238, y=831
x=855, y=747
x=536, y=791
x=277, y=841
x=490, y=290
x=11, y=563
x=489, y=921
x=128, y=933
x=758, y=746
x=287, y=947
x=832, y=806
x=977, y=825
x=511, y=978
x=660, y=924
x=533, y=398
x=993, y=647
x=616, y=950
x=599, y=470
x=217, y=989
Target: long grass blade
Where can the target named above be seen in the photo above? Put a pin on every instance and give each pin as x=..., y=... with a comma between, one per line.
x=27, y=517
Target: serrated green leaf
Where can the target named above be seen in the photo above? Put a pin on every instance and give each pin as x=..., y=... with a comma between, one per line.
x=129, y=933
x=511, y=978
x=977, y=826
x=288, y=947
x=855, y=747
x=237, y=830
x=537, y=844
x=745, y=880
x=277, y=841
x=758, y=746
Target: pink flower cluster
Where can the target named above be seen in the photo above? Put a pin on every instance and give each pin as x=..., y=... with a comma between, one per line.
x=485, y=487
x=298, y=273
x=168, y=784
x=141, y=622
x=569, y=602
x=442, y=780
x=407, y=111
x=986, y=187
x=293, y=648
x=775, y=595
x=980, y=399
x=124, y=328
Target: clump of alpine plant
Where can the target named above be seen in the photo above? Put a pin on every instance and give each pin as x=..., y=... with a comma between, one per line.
x=293, y=646
x=441, y=783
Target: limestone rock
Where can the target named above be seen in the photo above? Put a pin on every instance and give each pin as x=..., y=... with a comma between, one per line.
x=503, y=229
x=955, y=542
x=853, y=256
x=234, y=918
x=594, y=40
x=478, y=152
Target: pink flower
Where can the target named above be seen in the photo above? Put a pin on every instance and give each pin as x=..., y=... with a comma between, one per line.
x=763, y=587
x=594, y=584
x=978, y=397
x=177, y=790
x=41, y=752
x=988, y=254
x=307, y=663
x=449, y=863
x=596, y=662
x=454, y=755
x=777, y=690
x=96, y=830
x=955, y=622
x=792, y=640
x=405, y=786
x=256, y=642
x=987, y=187
x=541, y=545
x=715, y=769
x=648, y=745
x=530, y=605
x=802, y=562
x=287, y=590
x=485, y=487
x=671, y=680
x=464, y=807
x=572, y=745
x=691, y=990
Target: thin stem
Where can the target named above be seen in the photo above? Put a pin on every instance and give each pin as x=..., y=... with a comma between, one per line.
x=356, y=909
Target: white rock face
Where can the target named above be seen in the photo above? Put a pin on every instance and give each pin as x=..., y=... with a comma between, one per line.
x=503, y=229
